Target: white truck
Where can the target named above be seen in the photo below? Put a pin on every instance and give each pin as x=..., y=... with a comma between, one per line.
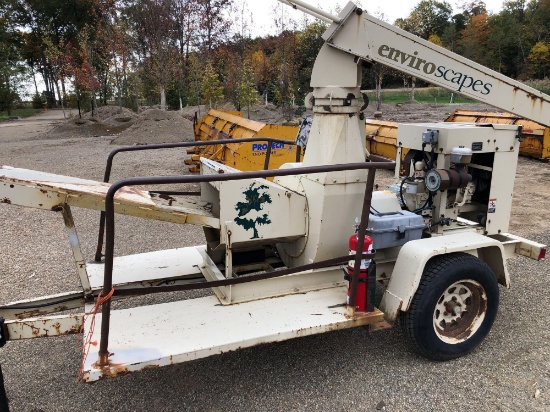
x=275, y=250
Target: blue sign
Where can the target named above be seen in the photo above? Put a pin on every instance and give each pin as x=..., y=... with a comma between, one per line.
x=263, y=146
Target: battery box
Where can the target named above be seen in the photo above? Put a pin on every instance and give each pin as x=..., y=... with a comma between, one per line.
x=394, y=228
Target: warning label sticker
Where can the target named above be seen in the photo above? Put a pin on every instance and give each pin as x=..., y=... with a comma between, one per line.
x=492, y=206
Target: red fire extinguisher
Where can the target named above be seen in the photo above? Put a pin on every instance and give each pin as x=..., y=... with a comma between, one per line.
x=361, y=294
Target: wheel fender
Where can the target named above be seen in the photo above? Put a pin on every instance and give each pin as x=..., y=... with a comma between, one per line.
x=414, y=256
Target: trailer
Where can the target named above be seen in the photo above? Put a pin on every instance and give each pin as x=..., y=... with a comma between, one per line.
x=281, y=257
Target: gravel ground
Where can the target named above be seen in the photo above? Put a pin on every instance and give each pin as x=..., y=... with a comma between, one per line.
x=509, y=371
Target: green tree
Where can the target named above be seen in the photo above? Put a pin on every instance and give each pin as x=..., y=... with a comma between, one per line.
x=537, y=22
x=11, y=69
x=473, y=8
x=154, y=26
x=212, y=89
x=247, y=94
x=507, y=39
x=308, y=44
x=194, y=80
x=427, y=18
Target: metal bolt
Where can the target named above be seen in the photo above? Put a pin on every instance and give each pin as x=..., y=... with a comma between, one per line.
x=453, y=307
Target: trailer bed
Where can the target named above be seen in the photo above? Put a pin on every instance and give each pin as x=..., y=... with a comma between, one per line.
x=170, y=333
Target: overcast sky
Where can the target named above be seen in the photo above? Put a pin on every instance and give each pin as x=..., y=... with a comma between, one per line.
x=263, y=10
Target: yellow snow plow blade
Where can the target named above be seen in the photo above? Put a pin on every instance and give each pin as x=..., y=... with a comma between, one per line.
x=536, y=137
x=221, y=125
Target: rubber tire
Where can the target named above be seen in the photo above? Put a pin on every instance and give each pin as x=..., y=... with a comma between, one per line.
x=441, y=272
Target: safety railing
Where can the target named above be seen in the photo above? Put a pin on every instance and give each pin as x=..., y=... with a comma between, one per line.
x=158, y=180
x=110, y=160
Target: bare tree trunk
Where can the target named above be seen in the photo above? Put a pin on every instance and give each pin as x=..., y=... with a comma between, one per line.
x=378, y=92
x=413, y=85
x=162, y=98
x=34, y=79
x=62, y=91
x=61, y=100
x=137, y=95
x=119, y=88
x=7, y=81
x=94, y=103
x=78, y=102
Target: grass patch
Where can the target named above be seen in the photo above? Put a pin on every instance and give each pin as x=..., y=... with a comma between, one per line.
x=435, y=95
x=26, y=112
x=542, y=85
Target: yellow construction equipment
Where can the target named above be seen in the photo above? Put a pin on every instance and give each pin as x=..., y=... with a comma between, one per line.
x=382, y=135
x=382, y=138
x=536, y=137
x=221, y=124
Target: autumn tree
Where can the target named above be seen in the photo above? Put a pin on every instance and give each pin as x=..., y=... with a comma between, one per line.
x=473, y=41
x=213, y=25
x=538, y=61
x=58, y=65
x=78, y=65
x=53, y=24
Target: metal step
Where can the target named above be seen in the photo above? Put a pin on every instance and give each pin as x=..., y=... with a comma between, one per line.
x=149, y=269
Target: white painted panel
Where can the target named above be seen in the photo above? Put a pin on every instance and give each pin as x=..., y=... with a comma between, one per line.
x=148, y=267
x=180, y=331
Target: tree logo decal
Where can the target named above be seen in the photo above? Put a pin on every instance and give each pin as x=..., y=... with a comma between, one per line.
x=255, y=200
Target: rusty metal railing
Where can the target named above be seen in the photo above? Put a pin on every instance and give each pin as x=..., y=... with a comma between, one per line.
x=110, y=159
x=135, y=181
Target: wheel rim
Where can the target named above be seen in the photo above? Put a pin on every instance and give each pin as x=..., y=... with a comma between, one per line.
x=460, y=311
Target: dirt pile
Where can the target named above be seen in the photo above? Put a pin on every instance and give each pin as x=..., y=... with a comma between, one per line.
x=157, y=126
x=104, y=113
x=81, y=127
x=113, y=116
